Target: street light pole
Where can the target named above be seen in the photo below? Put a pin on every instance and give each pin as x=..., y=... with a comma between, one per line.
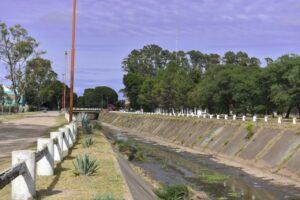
x=65, y=78
x=72, y=61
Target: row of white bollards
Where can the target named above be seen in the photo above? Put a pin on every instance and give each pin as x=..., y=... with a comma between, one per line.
x=24, y=186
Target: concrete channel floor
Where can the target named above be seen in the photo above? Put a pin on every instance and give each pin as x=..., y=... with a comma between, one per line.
x=21, y=133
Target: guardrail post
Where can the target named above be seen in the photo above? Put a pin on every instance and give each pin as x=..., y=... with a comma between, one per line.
x=45, y=167
x=226, y=117
x=294, y=120
x=65, y=139
x=23, y=187
x=211, y=116
x=244, y=118
x=234, y=117
x=71, y=137
x=218, y=116
x=254, y=118
x=279, y=120
x=58, y=148
x=266, y=118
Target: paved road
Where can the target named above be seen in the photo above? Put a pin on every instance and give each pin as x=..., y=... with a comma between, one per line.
x=21, y=133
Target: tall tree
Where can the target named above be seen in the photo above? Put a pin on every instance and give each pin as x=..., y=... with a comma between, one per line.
x=38, y=75
x=16, y=47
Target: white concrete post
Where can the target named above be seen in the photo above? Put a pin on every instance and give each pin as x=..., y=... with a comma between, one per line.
x=218, y=116
x=266, y=118
x=244, y=118
x=234, y=117
x=294, y=120
x=211, y=116
x=226, y=117
x=71, y=136
x=204, y=116
x=45, y=167
x=254, y=118
x=58, y=148
x=279, y=120
x=65, y=139
x=23, y=187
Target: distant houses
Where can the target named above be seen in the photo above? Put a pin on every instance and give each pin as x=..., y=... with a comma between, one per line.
x=9, y=97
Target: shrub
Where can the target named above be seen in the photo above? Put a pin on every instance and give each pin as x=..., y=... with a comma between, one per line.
x=85, y=166
x=172, y=192
x=103, y=197
x=98, y=126
x=250, y=132
x=87, y=142
x=129, y=149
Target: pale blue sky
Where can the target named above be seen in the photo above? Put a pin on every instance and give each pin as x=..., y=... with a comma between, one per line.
x=107, y=30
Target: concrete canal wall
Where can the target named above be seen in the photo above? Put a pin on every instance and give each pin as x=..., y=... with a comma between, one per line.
x=272, y=148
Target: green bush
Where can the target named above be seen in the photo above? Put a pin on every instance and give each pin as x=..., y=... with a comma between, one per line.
x=249, y=128
x=98, y=126
x=87, y=142
x=172, y=192
x=103, y=197
x=85, y=166
x=129, y=149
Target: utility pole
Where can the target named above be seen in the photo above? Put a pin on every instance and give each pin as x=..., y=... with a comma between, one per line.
x=65, y=78
x=63, y=99
x=72, y=61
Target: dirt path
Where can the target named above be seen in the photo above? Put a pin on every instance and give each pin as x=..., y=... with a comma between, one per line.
x=21, y=133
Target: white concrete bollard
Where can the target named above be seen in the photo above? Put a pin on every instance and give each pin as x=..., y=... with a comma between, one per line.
x=71, y=136
x=254, y=118
x=244, y=118
x=204, y=116
x=279, y=120
x=218, y=116
x=234, y=117
x=65, y=139
x=58, y=148
x=226, y=117
x=23, y=187
x=294, y=120
x=266, y=119
x=211, y=116
x=45, y=167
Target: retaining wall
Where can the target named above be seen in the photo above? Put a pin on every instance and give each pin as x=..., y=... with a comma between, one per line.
x=272, y=148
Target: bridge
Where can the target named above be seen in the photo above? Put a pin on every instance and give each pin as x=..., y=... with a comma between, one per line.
x=93, y=113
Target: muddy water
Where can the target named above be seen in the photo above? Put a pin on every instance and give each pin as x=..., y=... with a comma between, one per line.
x=171, y=166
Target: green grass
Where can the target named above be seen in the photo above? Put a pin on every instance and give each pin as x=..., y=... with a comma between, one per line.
x=213, y=178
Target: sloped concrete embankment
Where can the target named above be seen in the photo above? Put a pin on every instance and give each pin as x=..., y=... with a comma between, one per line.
x=271, y=148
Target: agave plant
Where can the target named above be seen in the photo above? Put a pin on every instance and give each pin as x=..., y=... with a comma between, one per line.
x=85, y=166
x=87, y=142
x=85, y=123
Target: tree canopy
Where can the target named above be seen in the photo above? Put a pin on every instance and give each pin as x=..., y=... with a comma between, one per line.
x=235, y=82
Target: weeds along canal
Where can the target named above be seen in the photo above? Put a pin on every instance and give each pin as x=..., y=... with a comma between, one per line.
x=169, y=166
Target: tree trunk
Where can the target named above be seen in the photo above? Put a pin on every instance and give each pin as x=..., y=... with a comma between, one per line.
x=288, y=112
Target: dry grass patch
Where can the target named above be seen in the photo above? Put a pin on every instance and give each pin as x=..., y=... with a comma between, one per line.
x=15, y=116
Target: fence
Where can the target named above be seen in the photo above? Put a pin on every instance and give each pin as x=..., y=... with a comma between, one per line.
x=265, y=119
x=27, y=164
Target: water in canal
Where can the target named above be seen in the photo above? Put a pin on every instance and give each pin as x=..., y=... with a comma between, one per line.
x=169, y=165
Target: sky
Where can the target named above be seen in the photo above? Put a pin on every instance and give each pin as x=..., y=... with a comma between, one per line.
x=108, y=30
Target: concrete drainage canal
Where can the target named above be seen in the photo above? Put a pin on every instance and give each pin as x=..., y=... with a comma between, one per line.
x=207, y=178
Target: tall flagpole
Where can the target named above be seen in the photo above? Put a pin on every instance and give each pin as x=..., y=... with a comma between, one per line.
x=72, y=61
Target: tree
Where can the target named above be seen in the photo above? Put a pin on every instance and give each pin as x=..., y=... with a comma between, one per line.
x=283, y=74
x=133, y=83
x=1, y=94
x=38, y=75
x=16, y=47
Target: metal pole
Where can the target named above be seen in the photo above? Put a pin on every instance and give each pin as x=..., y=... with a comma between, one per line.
x=62, y=97
x=72, y=61
x=65, y=78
